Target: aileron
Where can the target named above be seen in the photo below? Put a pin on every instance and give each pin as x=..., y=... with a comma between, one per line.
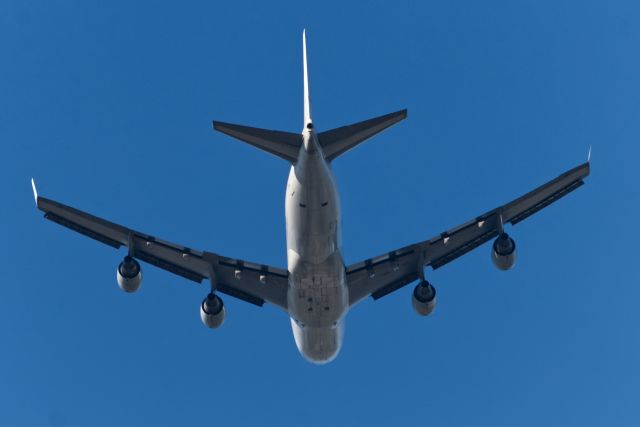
x=545, y=202
x=546, y=194
x=82, y=230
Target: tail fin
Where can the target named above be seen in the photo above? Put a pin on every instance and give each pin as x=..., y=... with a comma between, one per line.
x=340, y=140
x=334, y=142
x=283, y=144
x=307, y=101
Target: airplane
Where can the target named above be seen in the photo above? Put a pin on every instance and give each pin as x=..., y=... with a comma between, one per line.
x=317, y=288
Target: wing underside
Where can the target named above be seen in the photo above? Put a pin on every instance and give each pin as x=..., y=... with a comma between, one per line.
x=251, y=282
x=386, y=273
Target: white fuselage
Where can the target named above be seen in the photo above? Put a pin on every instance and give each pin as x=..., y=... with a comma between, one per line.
x=318, y=297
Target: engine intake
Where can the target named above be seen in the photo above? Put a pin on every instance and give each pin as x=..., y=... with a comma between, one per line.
x=212, y=311
x=129, y=275
x=503, y=252
x=424, y=298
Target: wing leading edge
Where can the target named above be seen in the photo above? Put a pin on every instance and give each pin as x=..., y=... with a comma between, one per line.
x=386, y=273
x=251, y=282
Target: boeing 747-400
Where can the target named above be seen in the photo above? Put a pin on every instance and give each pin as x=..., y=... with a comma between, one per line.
x=317, y=289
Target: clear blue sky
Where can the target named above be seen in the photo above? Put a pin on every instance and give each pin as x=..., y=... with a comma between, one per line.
x=108, y=105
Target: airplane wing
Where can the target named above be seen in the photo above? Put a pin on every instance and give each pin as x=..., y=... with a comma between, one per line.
x=386, y=273
x=253, y=283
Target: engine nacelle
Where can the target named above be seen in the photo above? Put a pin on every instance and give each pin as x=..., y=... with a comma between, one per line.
x=424, y=298
x=129, y=275
x=503, y=252
x=212, y=311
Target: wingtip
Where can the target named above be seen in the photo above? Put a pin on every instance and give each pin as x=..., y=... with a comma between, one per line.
x=589, y=155
x=35, y=191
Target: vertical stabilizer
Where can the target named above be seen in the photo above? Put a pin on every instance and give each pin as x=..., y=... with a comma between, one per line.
x=307, y=101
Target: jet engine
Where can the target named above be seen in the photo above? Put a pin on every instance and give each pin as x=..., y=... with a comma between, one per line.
x=129, y=275
x=212, y=311
x=503, y=252
x=424, y=298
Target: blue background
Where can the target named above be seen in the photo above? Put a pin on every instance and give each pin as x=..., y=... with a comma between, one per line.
x=108, y=105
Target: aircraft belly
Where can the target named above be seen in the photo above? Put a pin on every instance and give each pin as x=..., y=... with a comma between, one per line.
x=312, y=214
x=317, y=297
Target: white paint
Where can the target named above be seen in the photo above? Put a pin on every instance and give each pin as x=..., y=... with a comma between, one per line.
x=35, y=192
x=317, y=298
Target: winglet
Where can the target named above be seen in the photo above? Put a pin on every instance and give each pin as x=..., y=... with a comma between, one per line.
x=35, y=191
x=589, y=155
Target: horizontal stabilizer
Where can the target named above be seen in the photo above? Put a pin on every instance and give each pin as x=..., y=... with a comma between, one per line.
x=283, y=144
x=337, y=141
